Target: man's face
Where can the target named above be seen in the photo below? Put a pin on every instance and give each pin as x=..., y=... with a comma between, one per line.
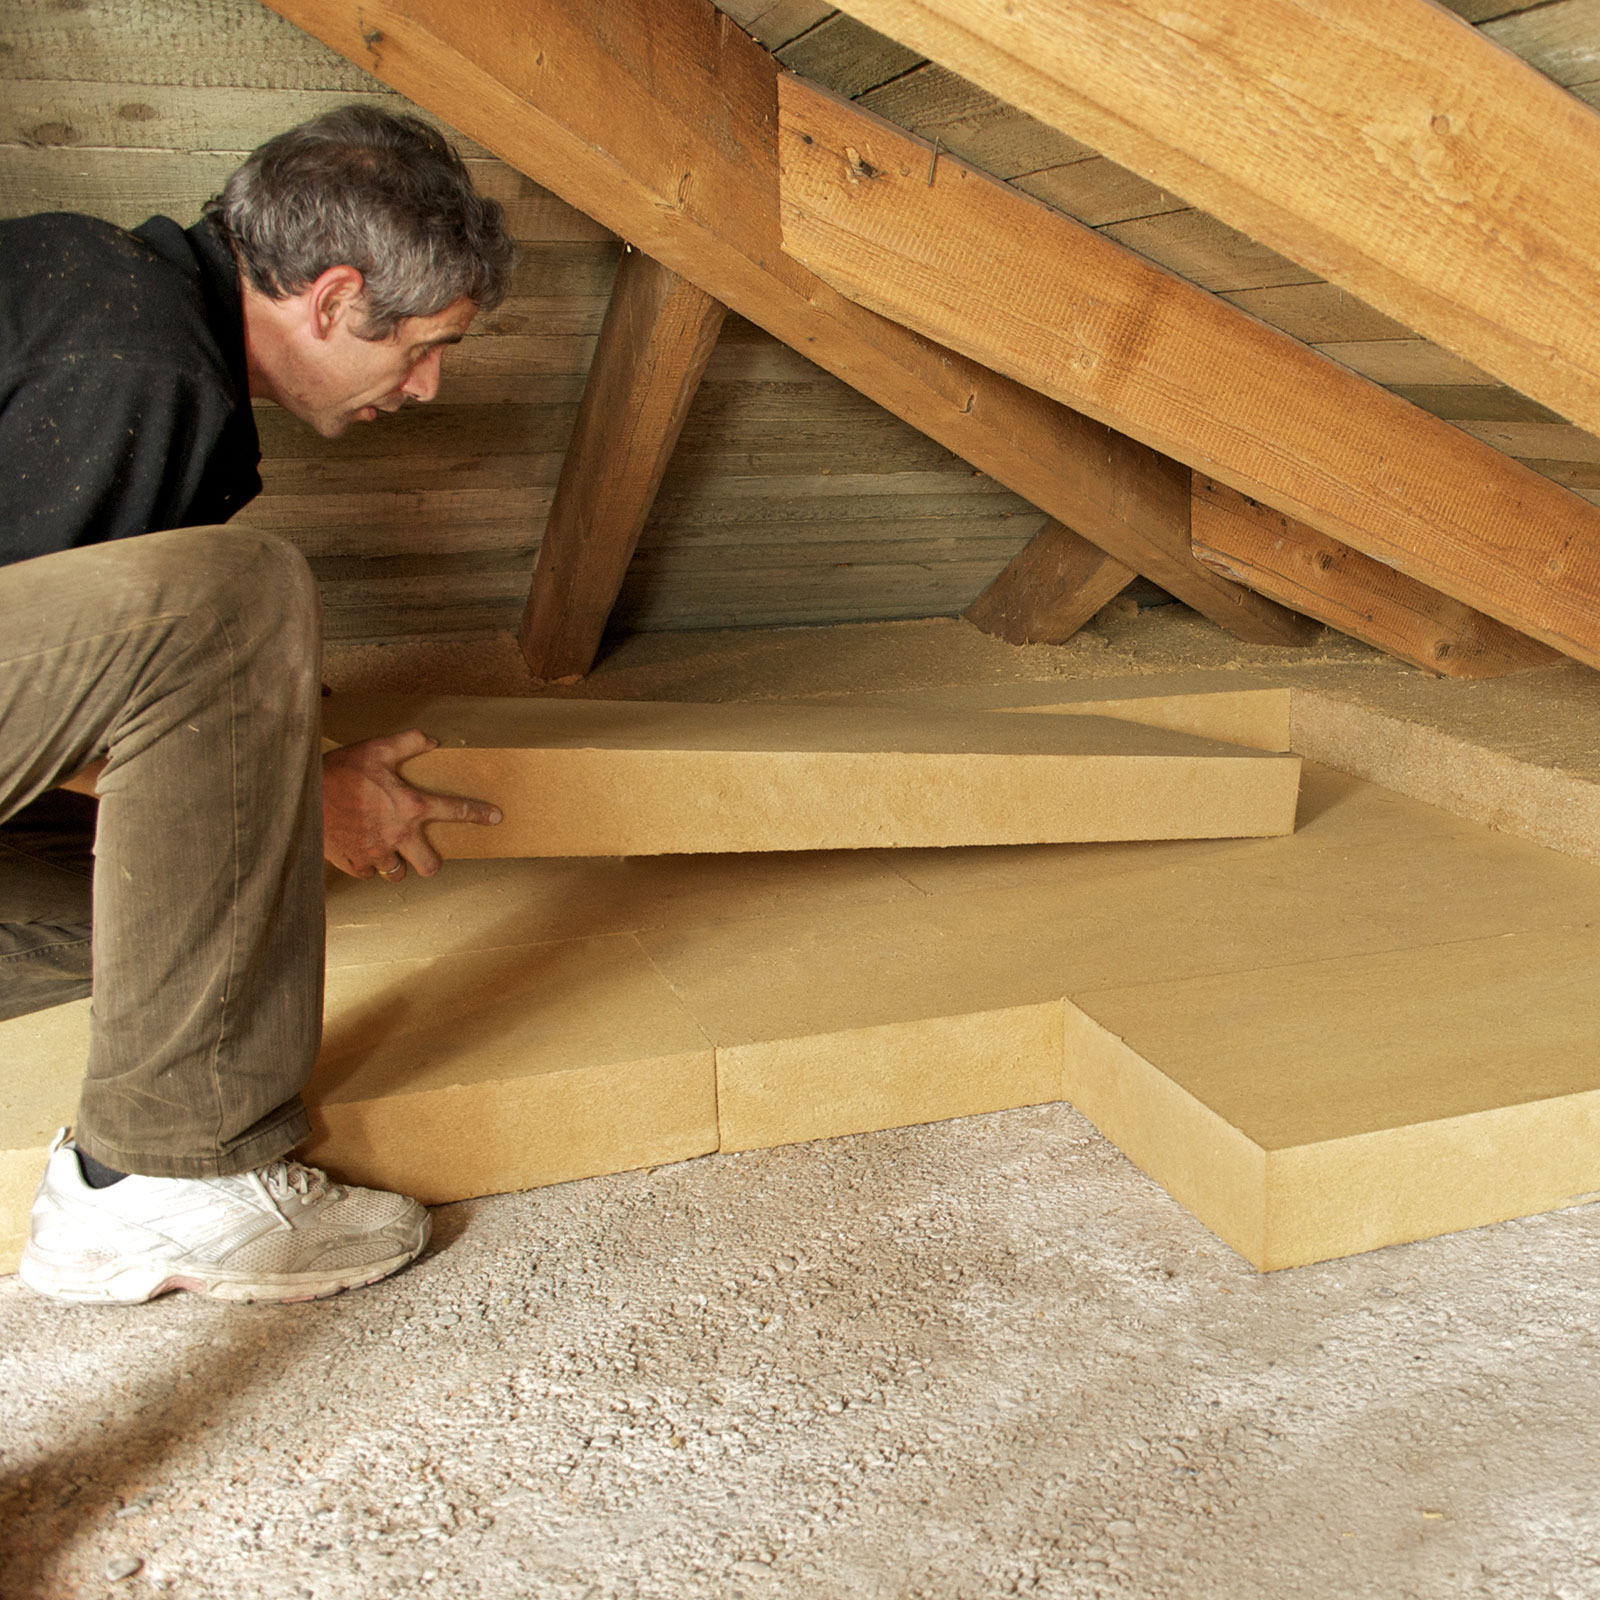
x=343, y=378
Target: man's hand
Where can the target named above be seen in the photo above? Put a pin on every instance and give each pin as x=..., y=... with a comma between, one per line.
x=372, y=819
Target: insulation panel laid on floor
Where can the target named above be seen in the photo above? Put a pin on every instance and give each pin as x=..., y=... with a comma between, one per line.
x=603, y=778
x=1374, y=1030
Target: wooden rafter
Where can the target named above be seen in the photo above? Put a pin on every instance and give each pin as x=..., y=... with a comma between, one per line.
x=659, y=119
x=1386, y=145
x=658, y=334
x=997, y=275
x=1352, y=592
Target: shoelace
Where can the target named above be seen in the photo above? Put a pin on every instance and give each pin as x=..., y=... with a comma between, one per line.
x=281, y=1179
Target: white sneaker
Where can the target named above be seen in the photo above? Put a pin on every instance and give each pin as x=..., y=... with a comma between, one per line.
x=282, y=1232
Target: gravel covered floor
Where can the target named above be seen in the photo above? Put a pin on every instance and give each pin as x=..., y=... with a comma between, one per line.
x=974, y=1359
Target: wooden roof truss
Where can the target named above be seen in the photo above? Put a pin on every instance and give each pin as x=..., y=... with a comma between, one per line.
x=1162, y=422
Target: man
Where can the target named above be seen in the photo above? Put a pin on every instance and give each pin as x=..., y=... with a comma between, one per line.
x=171, y=666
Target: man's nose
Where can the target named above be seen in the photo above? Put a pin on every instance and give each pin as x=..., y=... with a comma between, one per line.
x=423, y=383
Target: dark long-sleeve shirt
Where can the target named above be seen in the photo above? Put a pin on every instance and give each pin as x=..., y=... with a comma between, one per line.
x=124, y=396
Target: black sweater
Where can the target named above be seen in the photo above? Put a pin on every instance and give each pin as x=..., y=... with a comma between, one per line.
x=124, y=398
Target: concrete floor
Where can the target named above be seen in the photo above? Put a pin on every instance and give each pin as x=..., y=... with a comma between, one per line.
x=966, y=1360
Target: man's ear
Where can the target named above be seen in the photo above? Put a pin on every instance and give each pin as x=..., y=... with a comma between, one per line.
x=333, y=298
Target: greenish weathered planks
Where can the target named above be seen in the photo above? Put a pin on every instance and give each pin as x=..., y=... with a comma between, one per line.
x=123, y=186
x=847, y=56
x=1468, y=402
x=162, y=116
x=426, y=430
x=1317, y=313
x=1562, y=39
x=775, y=23
x=127, y=185
x=1099, y=193
x=1207, y=252
x=1544, y=441
x=1397, y=362
x=675, y=586
x=971, y=123
x=292, y=478
x=206, y=43
x=1484, y=10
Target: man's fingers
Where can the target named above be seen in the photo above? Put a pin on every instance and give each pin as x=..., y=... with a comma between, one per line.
x=373, y=819
x=398, y=747
x=456, y=808
x=422, y=855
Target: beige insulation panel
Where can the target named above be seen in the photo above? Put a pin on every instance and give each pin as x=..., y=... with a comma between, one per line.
x=1376, y=1029
x=604, y=778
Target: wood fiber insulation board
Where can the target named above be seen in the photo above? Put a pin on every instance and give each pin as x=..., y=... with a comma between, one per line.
x=993, y=273
x=1387, y=147
x=1322, y=1109
x=1410, y=1116
x=888, y=1075
x=41, y=1062
x=576, y=777
x=462, y=1074
x=1232, y=707
x=1377, y=1028
x=1228, y=706
x=469, y=1067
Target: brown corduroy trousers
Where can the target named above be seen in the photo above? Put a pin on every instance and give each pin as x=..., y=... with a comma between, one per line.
x=189, y=661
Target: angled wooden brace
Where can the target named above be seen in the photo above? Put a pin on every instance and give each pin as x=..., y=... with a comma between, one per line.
x=659, y=119
x=1007, y=281
x=658, y=334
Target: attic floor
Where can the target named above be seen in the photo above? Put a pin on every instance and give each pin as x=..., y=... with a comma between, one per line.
x=995, y=1359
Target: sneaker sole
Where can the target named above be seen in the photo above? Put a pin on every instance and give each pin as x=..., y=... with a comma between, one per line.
x=122, y=1283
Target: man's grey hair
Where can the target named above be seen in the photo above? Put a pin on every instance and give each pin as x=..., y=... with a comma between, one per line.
x=382, y=193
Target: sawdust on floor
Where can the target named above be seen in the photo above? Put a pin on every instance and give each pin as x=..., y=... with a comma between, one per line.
x=786, y=663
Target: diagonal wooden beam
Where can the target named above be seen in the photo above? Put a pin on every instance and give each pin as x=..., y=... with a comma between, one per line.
x=659, y=119
x=658, y=334
x=1352, y=592
x=1007, y=281
x=1386, y=145
x=1049, y=589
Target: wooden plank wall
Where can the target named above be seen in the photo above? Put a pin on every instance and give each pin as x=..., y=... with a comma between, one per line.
x=1560, y=37
x=791, y=499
